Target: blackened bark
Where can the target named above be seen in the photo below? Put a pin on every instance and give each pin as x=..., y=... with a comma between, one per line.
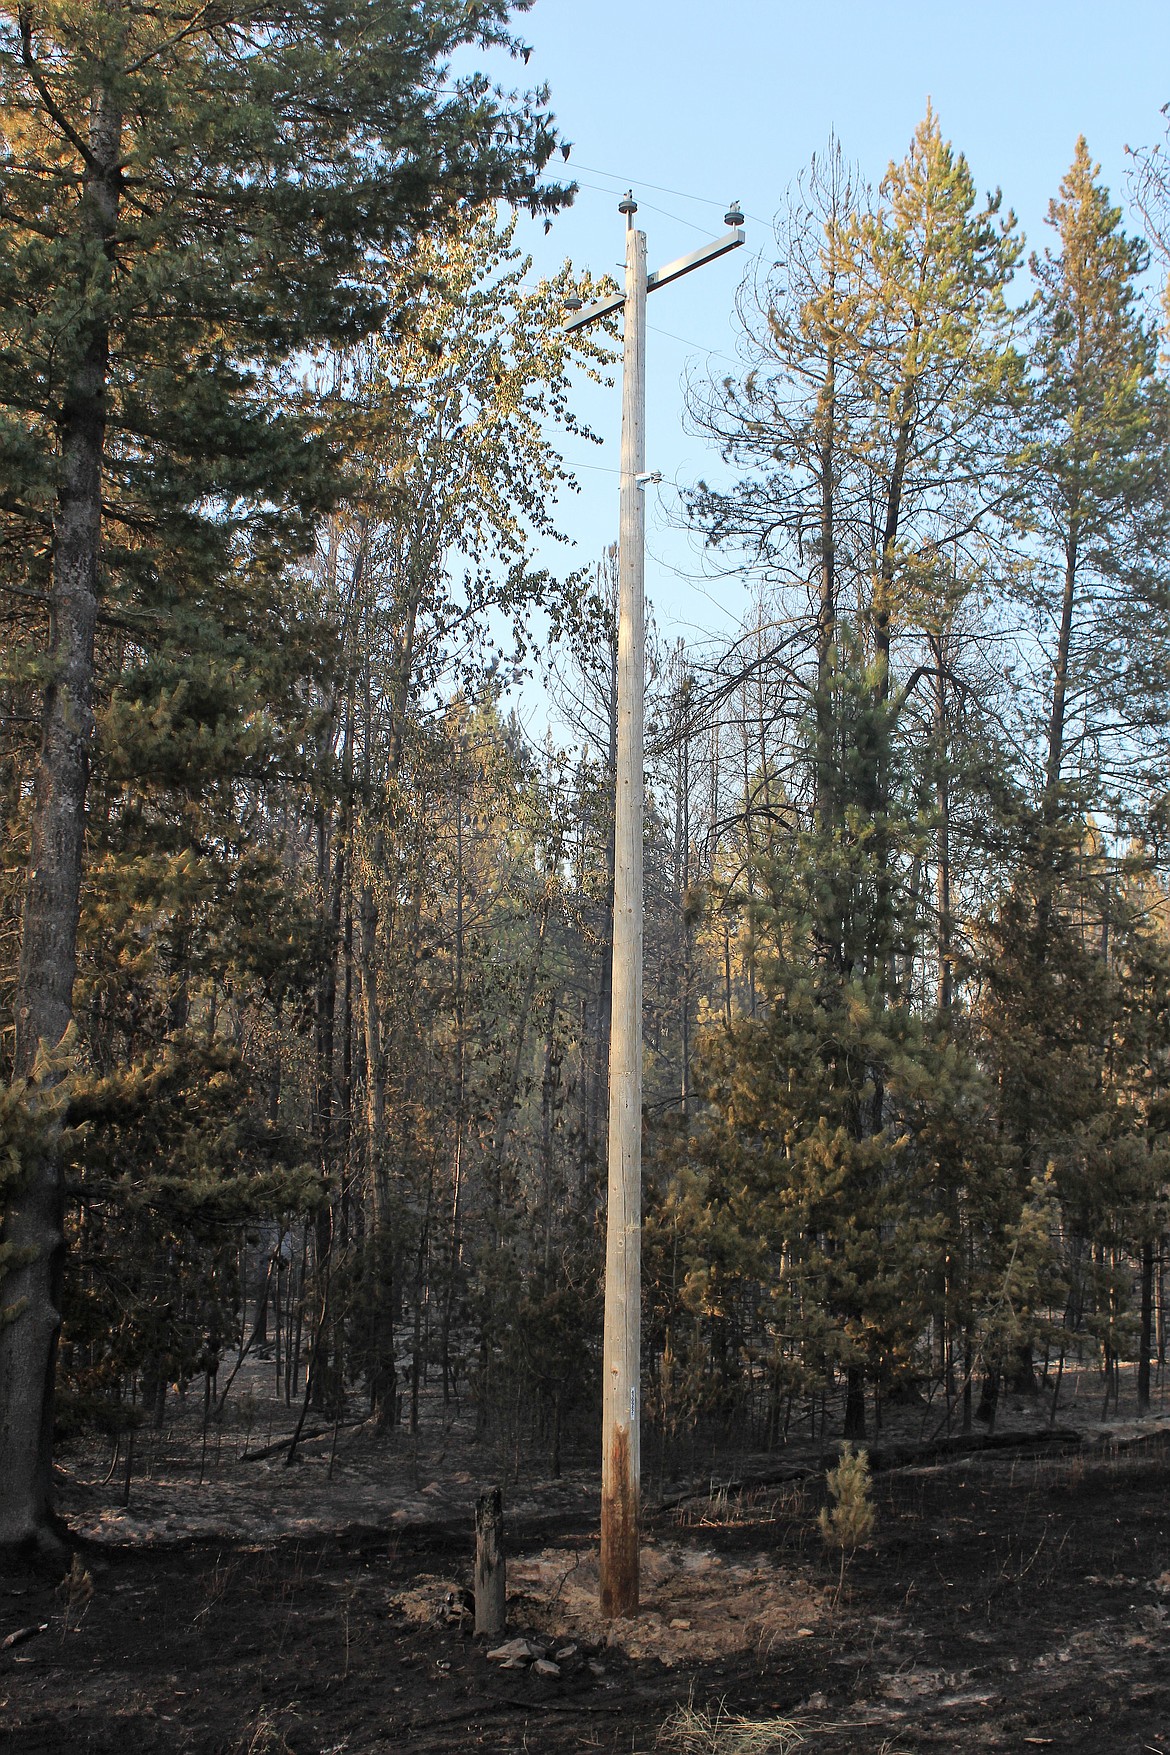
x=1060, y=677
x=988, y=1400
x=1146, y=1336
x=855, y=1402
x=825, y=778
x=382, y=1378
x=945, y=935
x=877, y=780
x=326, y=1383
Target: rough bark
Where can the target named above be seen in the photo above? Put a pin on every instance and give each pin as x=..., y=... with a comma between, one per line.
x=1146, y=1336
x=854, y=1402
x=1060, y=679
x=827, y=605
x=945, y=925
x=490, y=1574
x=381, y=1371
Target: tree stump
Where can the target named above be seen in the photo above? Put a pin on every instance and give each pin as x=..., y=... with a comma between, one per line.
x=489, y=1562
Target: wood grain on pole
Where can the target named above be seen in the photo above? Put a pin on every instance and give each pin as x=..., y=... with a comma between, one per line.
x=490, y=1582
x=621, y=1405
x=621, y=1400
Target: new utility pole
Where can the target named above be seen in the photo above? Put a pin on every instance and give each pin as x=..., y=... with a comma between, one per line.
x=621, y=1409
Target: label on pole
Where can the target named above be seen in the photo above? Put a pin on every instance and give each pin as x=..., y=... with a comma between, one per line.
x=633, y=1403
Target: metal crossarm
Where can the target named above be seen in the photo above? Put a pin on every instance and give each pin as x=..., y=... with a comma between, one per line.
x=705, y=253
x=660, y=277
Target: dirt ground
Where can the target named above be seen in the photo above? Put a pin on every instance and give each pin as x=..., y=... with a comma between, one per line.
x=1010, y=1598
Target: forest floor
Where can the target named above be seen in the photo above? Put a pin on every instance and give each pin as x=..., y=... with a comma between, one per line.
x=1012, y=1596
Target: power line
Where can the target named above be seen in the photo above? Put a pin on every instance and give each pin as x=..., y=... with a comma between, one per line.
x=699, y=346
x=677, y=218
x=595, y=170
x=661, y=189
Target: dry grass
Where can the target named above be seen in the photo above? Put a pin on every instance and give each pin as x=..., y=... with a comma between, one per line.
x=722, y=1507
x=693, y=1730
x=76, y=1593
x=263, y=1737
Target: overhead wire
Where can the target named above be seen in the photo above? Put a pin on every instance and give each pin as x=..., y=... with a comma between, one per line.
x=699, y=346
x=599, y=468
x=661, y=189
x=677, y=217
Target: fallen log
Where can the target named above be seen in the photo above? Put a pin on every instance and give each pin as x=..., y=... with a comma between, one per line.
x=23, y=1633
x=886, y=1457
x=305, y=1438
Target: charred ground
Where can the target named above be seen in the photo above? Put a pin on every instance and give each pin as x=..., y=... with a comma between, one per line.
x=1010, y=1598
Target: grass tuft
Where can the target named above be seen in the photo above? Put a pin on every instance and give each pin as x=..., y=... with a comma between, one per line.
x=263, y=1737
x=705, y=1730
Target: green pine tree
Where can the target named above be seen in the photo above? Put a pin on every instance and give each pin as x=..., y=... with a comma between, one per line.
x=191, y=200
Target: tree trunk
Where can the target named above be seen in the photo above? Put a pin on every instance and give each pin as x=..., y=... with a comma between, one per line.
x=490, y=1591
x=855, y=1402
x=331, y=882
x=549, y=1086
x=383, y=1383
x=453, y=1237
x=683, y=855
x=1060, y=678
x=1146, y=1335
x=825, y=776
x=511, y=1092
x=944, y=941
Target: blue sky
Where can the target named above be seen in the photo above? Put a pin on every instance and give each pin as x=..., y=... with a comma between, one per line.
x=715, y=100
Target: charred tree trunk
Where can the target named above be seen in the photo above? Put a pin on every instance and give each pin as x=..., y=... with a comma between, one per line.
x=454, y=1240
x=942, y=798
x=825, y=775
x=1146, y=1334
x=327, y=1377
x=855, y=1403
x=383, y=1383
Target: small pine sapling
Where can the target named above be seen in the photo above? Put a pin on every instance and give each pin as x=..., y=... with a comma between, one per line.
x=849, y=1519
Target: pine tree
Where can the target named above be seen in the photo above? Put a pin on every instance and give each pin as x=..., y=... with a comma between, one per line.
x=933, y=346
x=1093, y=497
x=192, y=197
x=883, y=391
x=1090, y=504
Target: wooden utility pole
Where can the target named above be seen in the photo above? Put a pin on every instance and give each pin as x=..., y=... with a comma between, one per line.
x=621, y=1409
x=620, y=1435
